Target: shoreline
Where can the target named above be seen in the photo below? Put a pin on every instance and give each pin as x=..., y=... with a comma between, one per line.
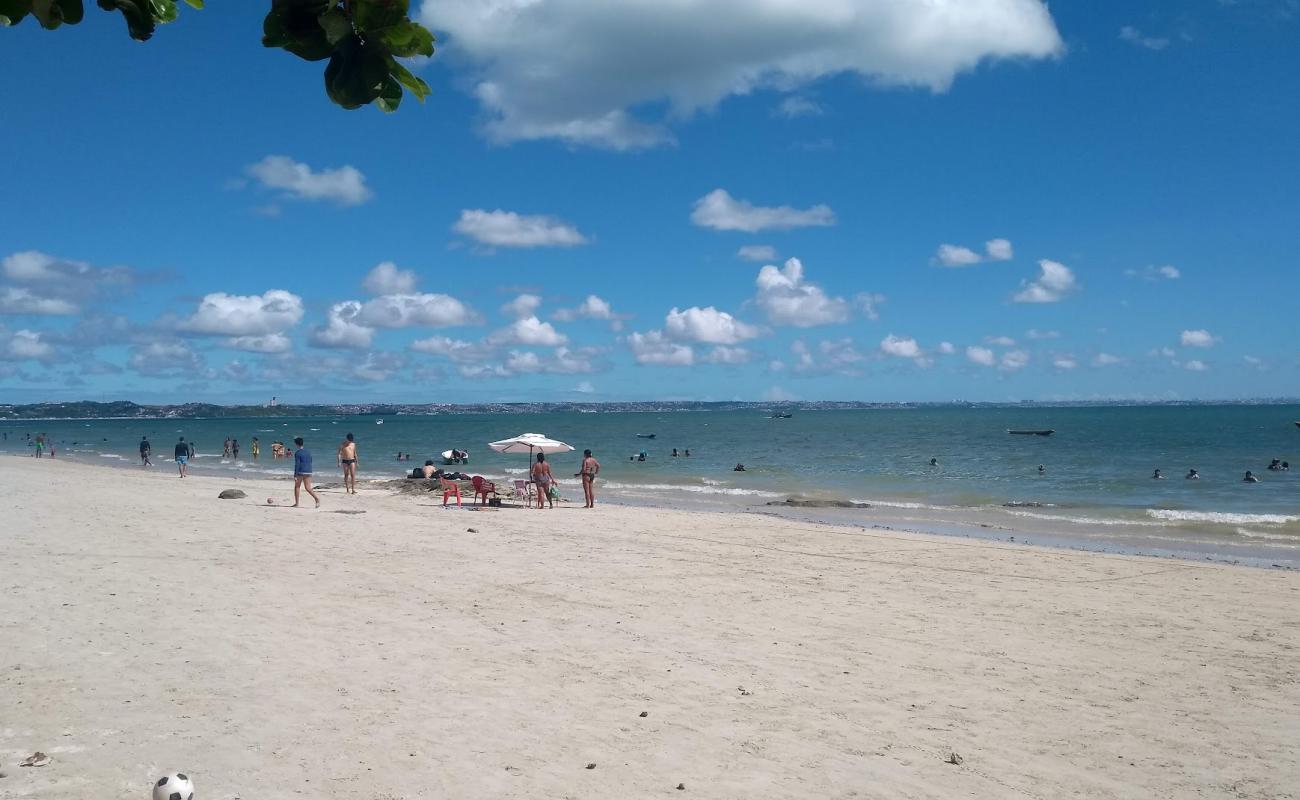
x=1012, y=522
x=383, y=646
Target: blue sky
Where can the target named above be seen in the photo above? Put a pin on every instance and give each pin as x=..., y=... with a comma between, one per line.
x=985, y=200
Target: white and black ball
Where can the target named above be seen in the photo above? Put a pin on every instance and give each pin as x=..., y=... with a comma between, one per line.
x=176, y=786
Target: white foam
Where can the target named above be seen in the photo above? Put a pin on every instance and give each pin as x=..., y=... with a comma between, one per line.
x=1221, y=517
x=899, y=504
x=1276, y=537
x=1084, y=520
x=665, y=487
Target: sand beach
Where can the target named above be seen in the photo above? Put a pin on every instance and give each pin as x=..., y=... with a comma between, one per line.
x=384, y=648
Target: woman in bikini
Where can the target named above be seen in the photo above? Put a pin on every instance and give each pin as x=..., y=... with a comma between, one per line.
x=542, y=477
x=590, y=468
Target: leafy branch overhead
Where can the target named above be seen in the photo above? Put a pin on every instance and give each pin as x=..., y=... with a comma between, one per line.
x=361, y=38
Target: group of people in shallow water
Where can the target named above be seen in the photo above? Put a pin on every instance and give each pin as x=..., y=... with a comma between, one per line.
x=1277, y=465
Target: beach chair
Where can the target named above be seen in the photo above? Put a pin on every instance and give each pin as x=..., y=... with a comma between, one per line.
x=524, y=489
x=449, y=488
x=483, y=488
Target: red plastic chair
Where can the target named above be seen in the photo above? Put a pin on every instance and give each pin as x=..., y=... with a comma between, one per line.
x=449, y=488
x=483, y=488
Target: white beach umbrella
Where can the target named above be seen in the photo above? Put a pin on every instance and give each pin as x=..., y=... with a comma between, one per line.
x=530, y=443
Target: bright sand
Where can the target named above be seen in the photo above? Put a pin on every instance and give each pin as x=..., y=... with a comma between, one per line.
x=146, y=626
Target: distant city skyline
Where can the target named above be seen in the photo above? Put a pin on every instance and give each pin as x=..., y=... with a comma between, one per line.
x=883, y=202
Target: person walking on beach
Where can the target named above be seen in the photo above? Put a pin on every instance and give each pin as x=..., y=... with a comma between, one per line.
x=146, y=450
x=183, y=453
x=302, y=472
x=589, y=470
x=225, y=448
x=40, y=445
x=544, y=480
x=348, y=461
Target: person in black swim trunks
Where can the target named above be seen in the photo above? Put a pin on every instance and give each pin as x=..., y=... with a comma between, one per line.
x=348, y=461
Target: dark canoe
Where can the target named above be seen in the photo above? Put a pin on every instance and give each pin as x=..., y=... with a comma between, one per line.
x=645, y=436
x=1047, y=432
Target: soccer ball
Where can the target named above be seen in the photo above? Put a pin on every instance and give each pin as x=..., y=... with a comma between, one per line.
x=175, y=786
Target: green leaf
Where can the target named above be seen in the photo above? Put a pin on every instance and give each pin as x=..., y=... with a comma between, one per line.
x=53, y=13
x=356, y=73
x=295, y=26
x=195, y=4
x=404, y=76
x=336, y=25
x=406, y=39
x=13, y=11
x=140, y=20
x=390, y=96
x=371, y=16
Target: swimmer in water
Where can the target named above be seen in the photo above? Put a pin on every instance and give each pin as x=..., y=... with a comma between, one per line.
x=934, y=462
x=1041, y=469
x=1157, y=475
x=738, y=468
x=1250, y=477
x=1193, y=475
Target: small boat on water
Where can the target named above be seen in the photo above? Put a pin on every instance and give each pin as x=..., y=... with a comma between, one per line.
x=1043, y=432
x=779, y=415
x=1297, y=424
x=645, y=436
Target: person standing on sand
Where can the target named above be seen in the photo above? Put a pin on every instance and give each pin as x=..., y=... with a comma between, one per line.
x=40, y=445
x=146, y=450
x=589, y=470
x=183, y=452
x=302, y=472
x=544, y=480
x=348, y=461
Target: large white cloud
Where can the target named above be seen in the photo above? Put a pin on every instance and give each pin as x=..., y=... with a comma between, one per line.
x=345, y=185
x=574, y=69
x=221, y=314
x=524, y=305
x=388, y=278
x=457, y=350
x=653, y=348
x=46, y=285
x=507, y=229
x=707, y=325
x=341, y=330
x=1055, y=281
x=22, y=345
x=981, y=355
x=788, y=299
x=415, y=311
x=270, y=343
x=166, y=359
x=593, y=307
x=19, y=300
x=953, y=255
x=1198, y=338
x=722, y=212
x=529, y=332
x=901, y=347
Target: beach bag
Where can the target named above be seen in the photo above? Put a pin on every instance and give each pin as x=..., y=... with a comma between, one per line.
x=555, y=492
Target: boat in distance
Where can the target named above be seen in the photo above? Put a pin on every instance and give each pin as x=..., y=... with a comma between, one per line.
x=1041, y=432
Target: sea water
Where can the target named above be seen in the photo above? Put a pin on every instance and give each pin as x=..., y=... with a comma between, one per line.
x=1096, y=480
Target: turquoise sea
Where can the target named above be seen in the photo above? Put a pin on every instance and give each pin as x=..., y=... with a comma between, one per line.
x=1096, y=489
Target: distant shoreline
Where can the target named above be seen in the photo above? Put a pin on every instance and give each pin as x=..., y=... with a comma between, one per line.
x=127, y=410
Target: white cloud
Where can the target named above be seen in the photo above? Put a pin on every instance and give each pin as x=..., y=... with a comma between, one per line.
x=1196, y=366
x=387, y=278
x=652, y=348
x=457, y=350
x=728, y=355
x=221, y=314
x=415, y=311
x=1001, y=341
x=788, y=299
x=562, y=362
x=1064, y=362
x=951, y=255
x=1198, y=338
x=981, y=355
x=708, y=325
x=900, y=347
x=1013, y=360
x=796, y=106
x=17, y=300
x=507, y=229
x=574, y=69
x=757, y=252
x=1168, y=272
x=23, y=345
x=1034, y=334
x=1055, y=281
x=166, y=359
x=838, y=356
x=722, y=212
x=345, y=185
x=999, y=250
x=946, y=348
x=1134, y=36
x=525, y=305
x=593, y=307
x=584, y=387
x=341, y=329
x=1162, y=352
x=269, y=343
x=1106, y=360
x=529, y=332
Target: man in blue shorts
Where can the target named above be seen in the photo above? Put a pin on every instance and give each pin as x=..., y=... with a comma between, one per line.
x=182, y=456
x=302, y=472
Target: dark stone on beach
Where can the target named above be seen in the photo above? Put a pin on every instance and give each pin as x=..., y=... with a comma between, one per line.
x=681, y=786
x=232, y=494
x=592, y=765
x=644, y=714
x=953, y=759
x=801, y=502
x=471, y=530
x=1024, y=504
